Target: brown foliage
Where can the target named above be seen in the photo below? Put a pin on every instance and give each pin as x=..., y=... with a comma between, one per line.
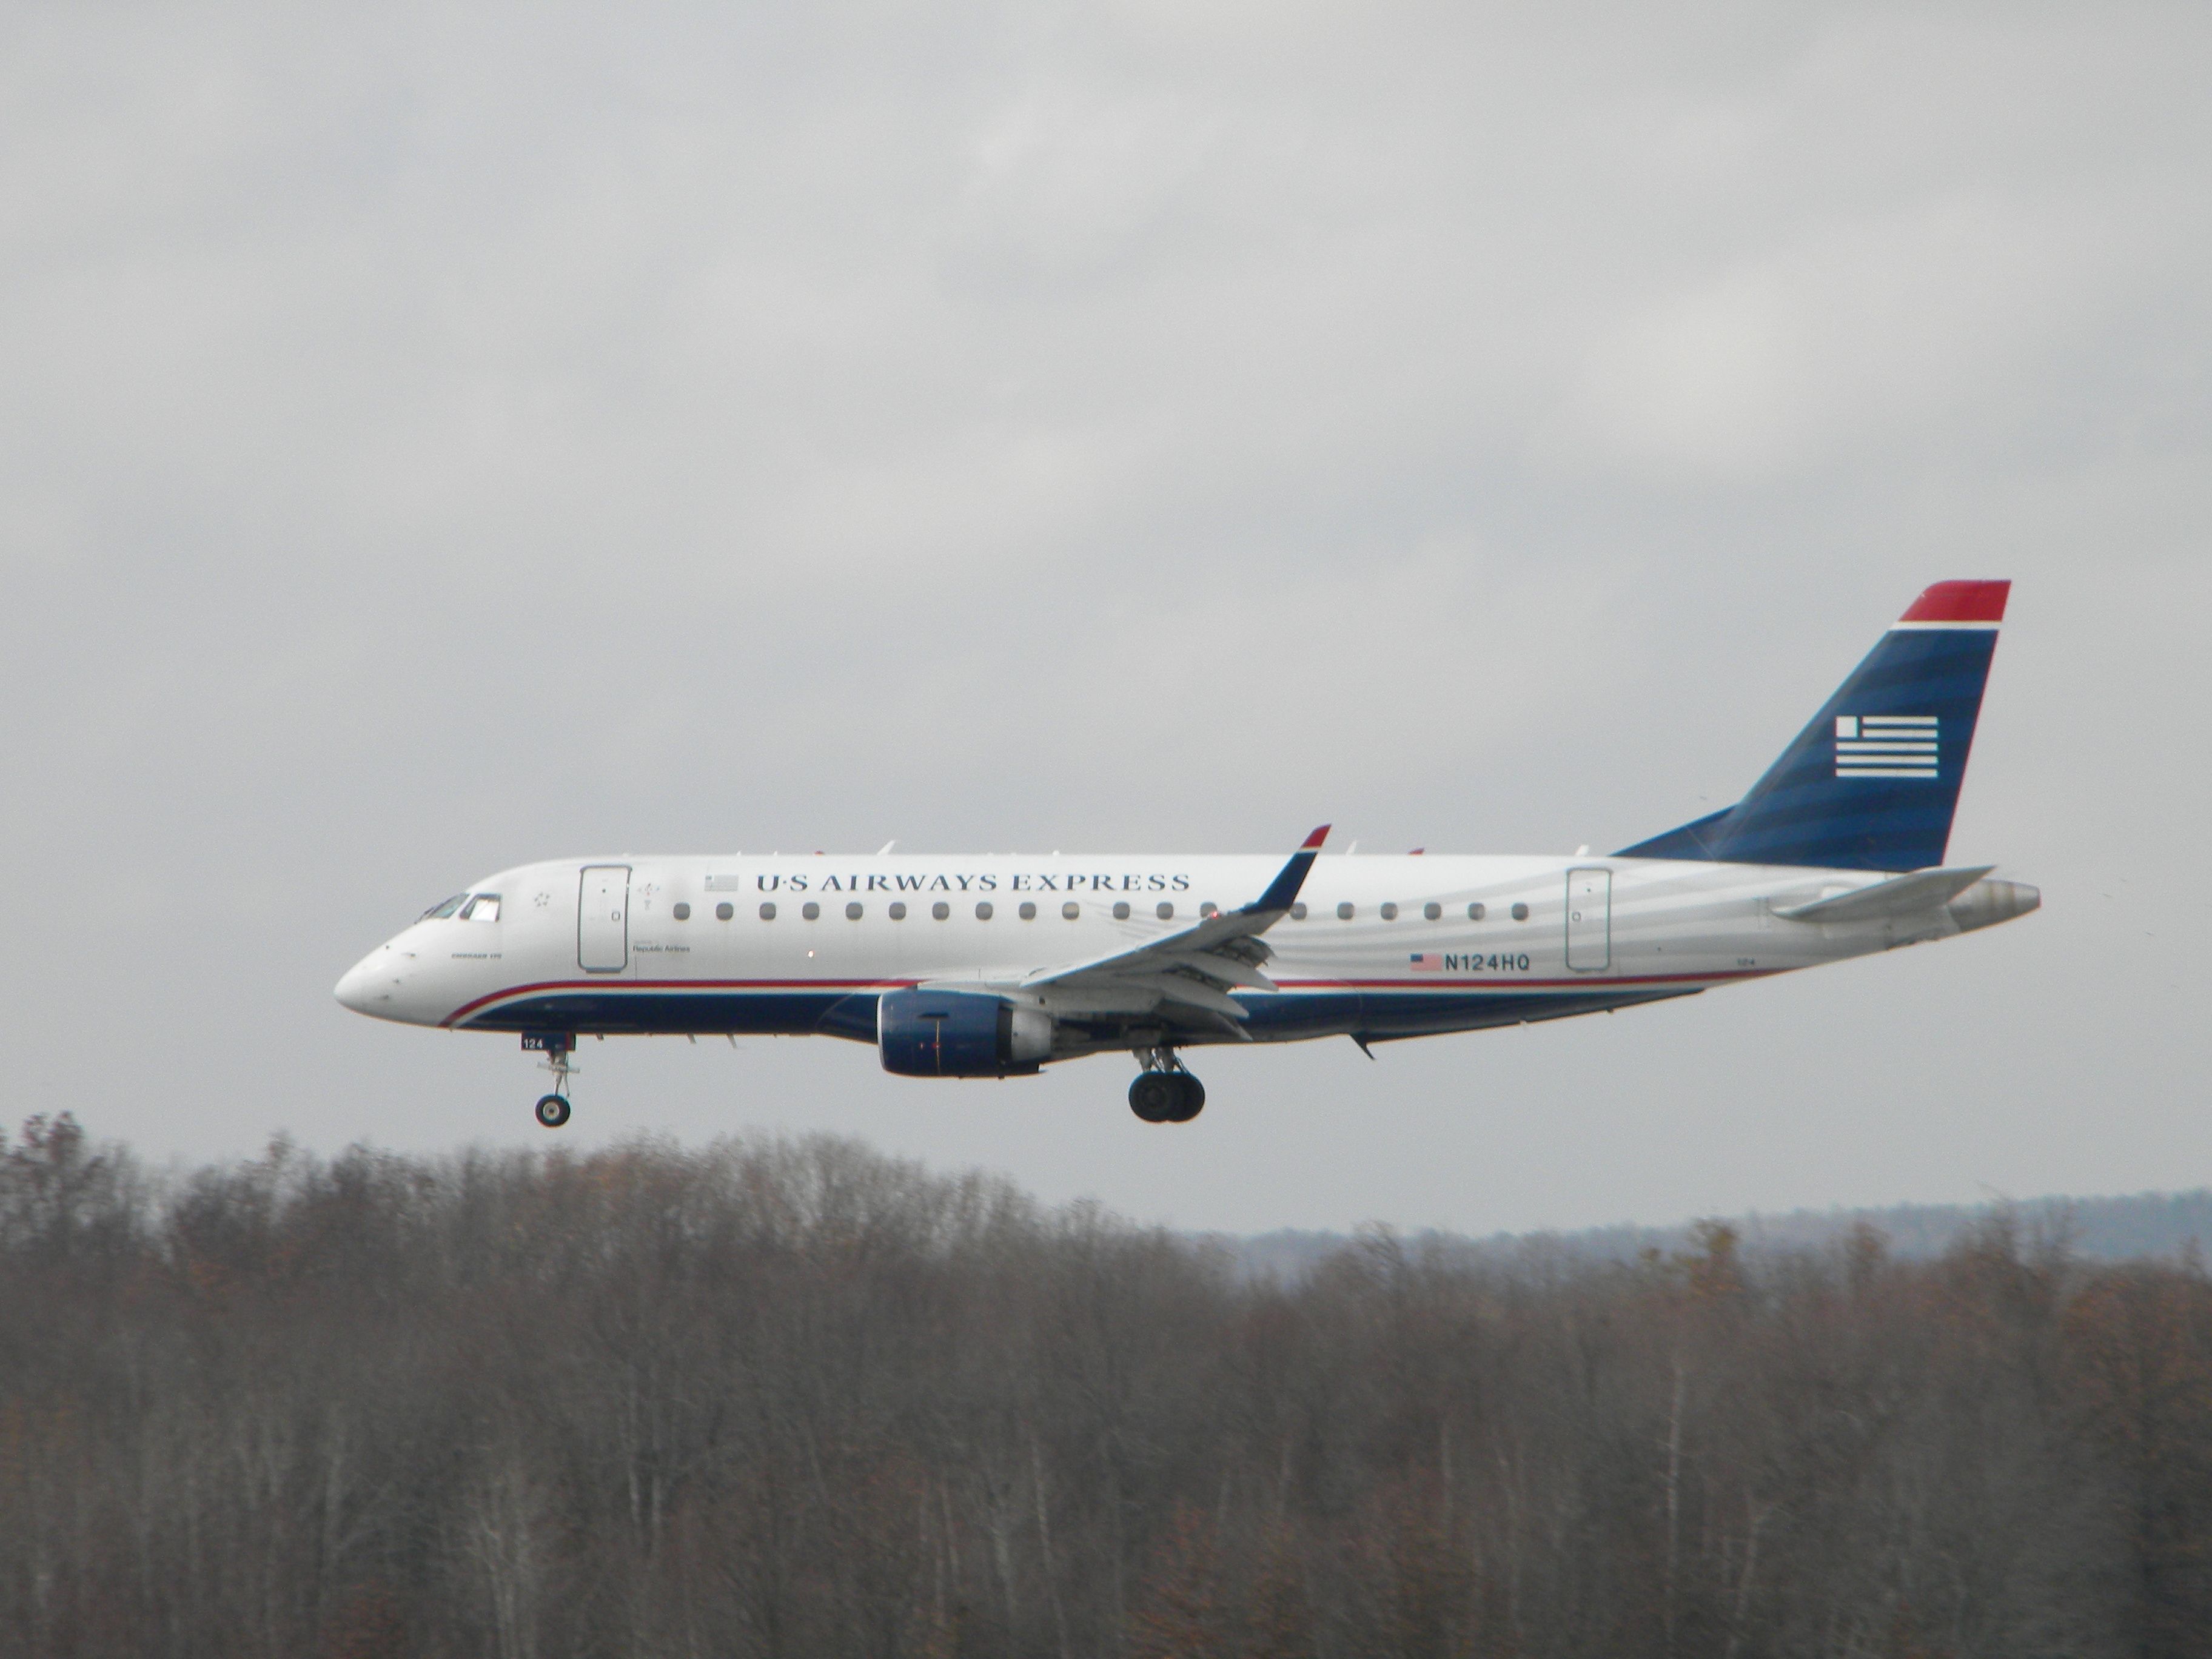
x=798, y=1399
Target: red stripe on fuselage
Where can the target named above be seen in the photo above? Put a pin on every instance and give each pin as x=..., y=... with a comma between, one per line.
x=1528, y=984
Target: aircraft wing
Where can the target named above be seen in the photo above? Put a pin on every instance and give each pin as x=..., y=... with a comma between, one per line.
x=1193, y=968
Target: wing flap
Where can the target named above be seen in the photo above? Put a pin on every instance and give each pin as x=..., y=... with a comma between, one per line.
x=1225, y=969
x=1196, y=994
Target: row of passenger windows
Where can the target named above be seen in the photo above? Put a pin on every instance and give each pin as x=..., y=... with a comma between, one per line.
x=1431, y=911
x=1027, y=910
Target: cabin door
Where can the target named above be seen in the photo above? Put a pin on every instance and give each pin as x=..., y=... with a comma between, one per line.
x=603, y=919
x=1589, y=919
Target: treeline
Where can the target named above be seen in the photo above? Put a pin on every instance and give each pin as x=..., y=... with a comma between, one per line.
x=796, y=1399
x=2100, y=1229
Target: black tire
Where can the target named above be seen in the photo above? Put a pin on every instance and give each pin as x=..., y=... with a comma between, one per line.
x=1152, y=1097
x=552, y=1110
x=1189, y=1098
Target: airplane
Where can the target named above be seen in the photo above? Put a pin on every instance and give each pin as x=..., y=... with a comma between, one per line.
x=994, y=965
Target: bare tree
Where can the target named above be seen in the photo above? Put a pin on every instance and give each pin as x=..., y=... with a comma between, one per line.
x=793, y=1398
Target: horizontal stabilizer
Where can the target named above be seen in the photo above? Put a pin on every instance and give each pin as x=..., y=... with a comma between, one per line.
x=1923, y=890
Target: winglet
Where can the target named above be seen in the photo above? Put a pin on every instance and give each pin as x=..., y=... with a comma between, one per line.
x=1283, y=892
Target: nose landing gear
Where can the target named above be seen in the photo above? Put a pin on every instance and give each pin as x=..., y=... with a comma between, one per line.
x=1164, y=1092
x=552, y=1110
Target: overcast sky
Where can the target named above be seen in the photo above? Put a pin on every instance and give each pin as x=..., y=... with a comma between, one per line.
x=433, y=441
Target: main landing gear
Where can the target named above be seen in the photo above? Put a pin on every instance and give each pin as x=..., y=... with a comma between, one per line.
x=1164, y=1092
x=556, y=1046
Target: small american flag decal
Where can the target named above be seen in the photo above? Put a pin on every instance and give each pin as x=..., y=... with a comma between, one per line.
x=1427, y=962
x=1886, y=746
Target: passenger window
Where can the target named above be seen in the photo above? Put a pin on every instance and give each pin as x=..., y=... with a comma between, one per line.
x=810, y=910
x=1299, y=911
x=1432, y=910
x=1121, y=909
x=1208, y=908
x=1028, y=911
x=485, y=907
x=983, y=910
x=683, y=911
x=1343, y=911
x=1164, y=910
x=1520, y=913
x=1070, y=910
x=1390, y=912
x=1475, y=912
x=768, y=911
x=725, y=910
x=852, y=911
x=940, y=909
x=898, y=911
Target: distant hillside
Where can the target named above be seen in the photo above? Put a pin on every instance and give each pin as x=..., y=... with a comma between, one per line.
x=2095, y=1229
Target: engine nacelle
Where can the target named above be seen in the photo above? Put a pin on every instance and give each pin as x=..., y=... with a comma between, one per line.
x=959, y=1034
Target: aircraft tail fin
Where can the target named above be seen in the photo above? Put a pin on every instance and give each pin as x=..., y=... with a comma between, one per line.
x=1872, y=783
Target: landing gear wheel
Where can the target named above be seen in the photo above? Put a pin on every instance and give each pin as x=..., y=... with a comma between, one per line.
x=1163, y=1096
x=1153, y=1096
x=557, y=1047
x=1189, y=1098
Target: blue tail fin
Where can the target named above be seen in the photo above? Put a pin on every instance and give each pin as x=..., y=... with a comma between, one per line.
x=1871, y=784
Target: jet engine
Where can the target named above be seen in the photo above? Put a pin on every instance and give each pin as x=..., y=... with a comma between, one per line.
x=959, y=1034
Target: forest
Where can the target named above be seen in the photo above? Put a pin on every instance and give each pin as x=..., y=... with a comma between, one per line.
x=794, y=1397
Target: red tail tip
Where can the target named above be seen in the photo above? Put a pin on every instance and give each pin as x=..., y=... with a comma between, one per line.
x=1312, y=843
x=1960, y=602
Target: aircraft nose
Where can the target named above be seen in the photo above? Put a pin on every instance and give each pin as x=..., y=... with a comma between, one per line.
x=368, y=986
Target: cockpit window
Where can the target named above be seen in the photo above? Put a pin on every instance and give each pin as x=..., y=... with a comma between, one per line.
x=446, y=909
x=485, y=907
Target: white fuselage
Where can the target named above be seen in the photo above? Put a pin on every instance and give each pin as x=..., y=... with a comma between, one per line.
x=1379, y=946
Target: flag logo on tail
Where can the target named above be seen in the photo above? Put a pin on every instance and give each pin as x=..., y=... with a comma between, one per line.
x=1427, y=962
x=1886, y=746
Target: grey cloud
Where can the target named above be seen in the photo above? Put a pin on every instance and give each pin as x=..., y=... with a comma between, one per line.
x=439, y=439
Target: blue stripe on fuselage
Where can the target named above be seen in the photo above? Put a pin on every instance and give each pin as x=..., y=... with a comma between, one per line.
x=1287, y=1015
